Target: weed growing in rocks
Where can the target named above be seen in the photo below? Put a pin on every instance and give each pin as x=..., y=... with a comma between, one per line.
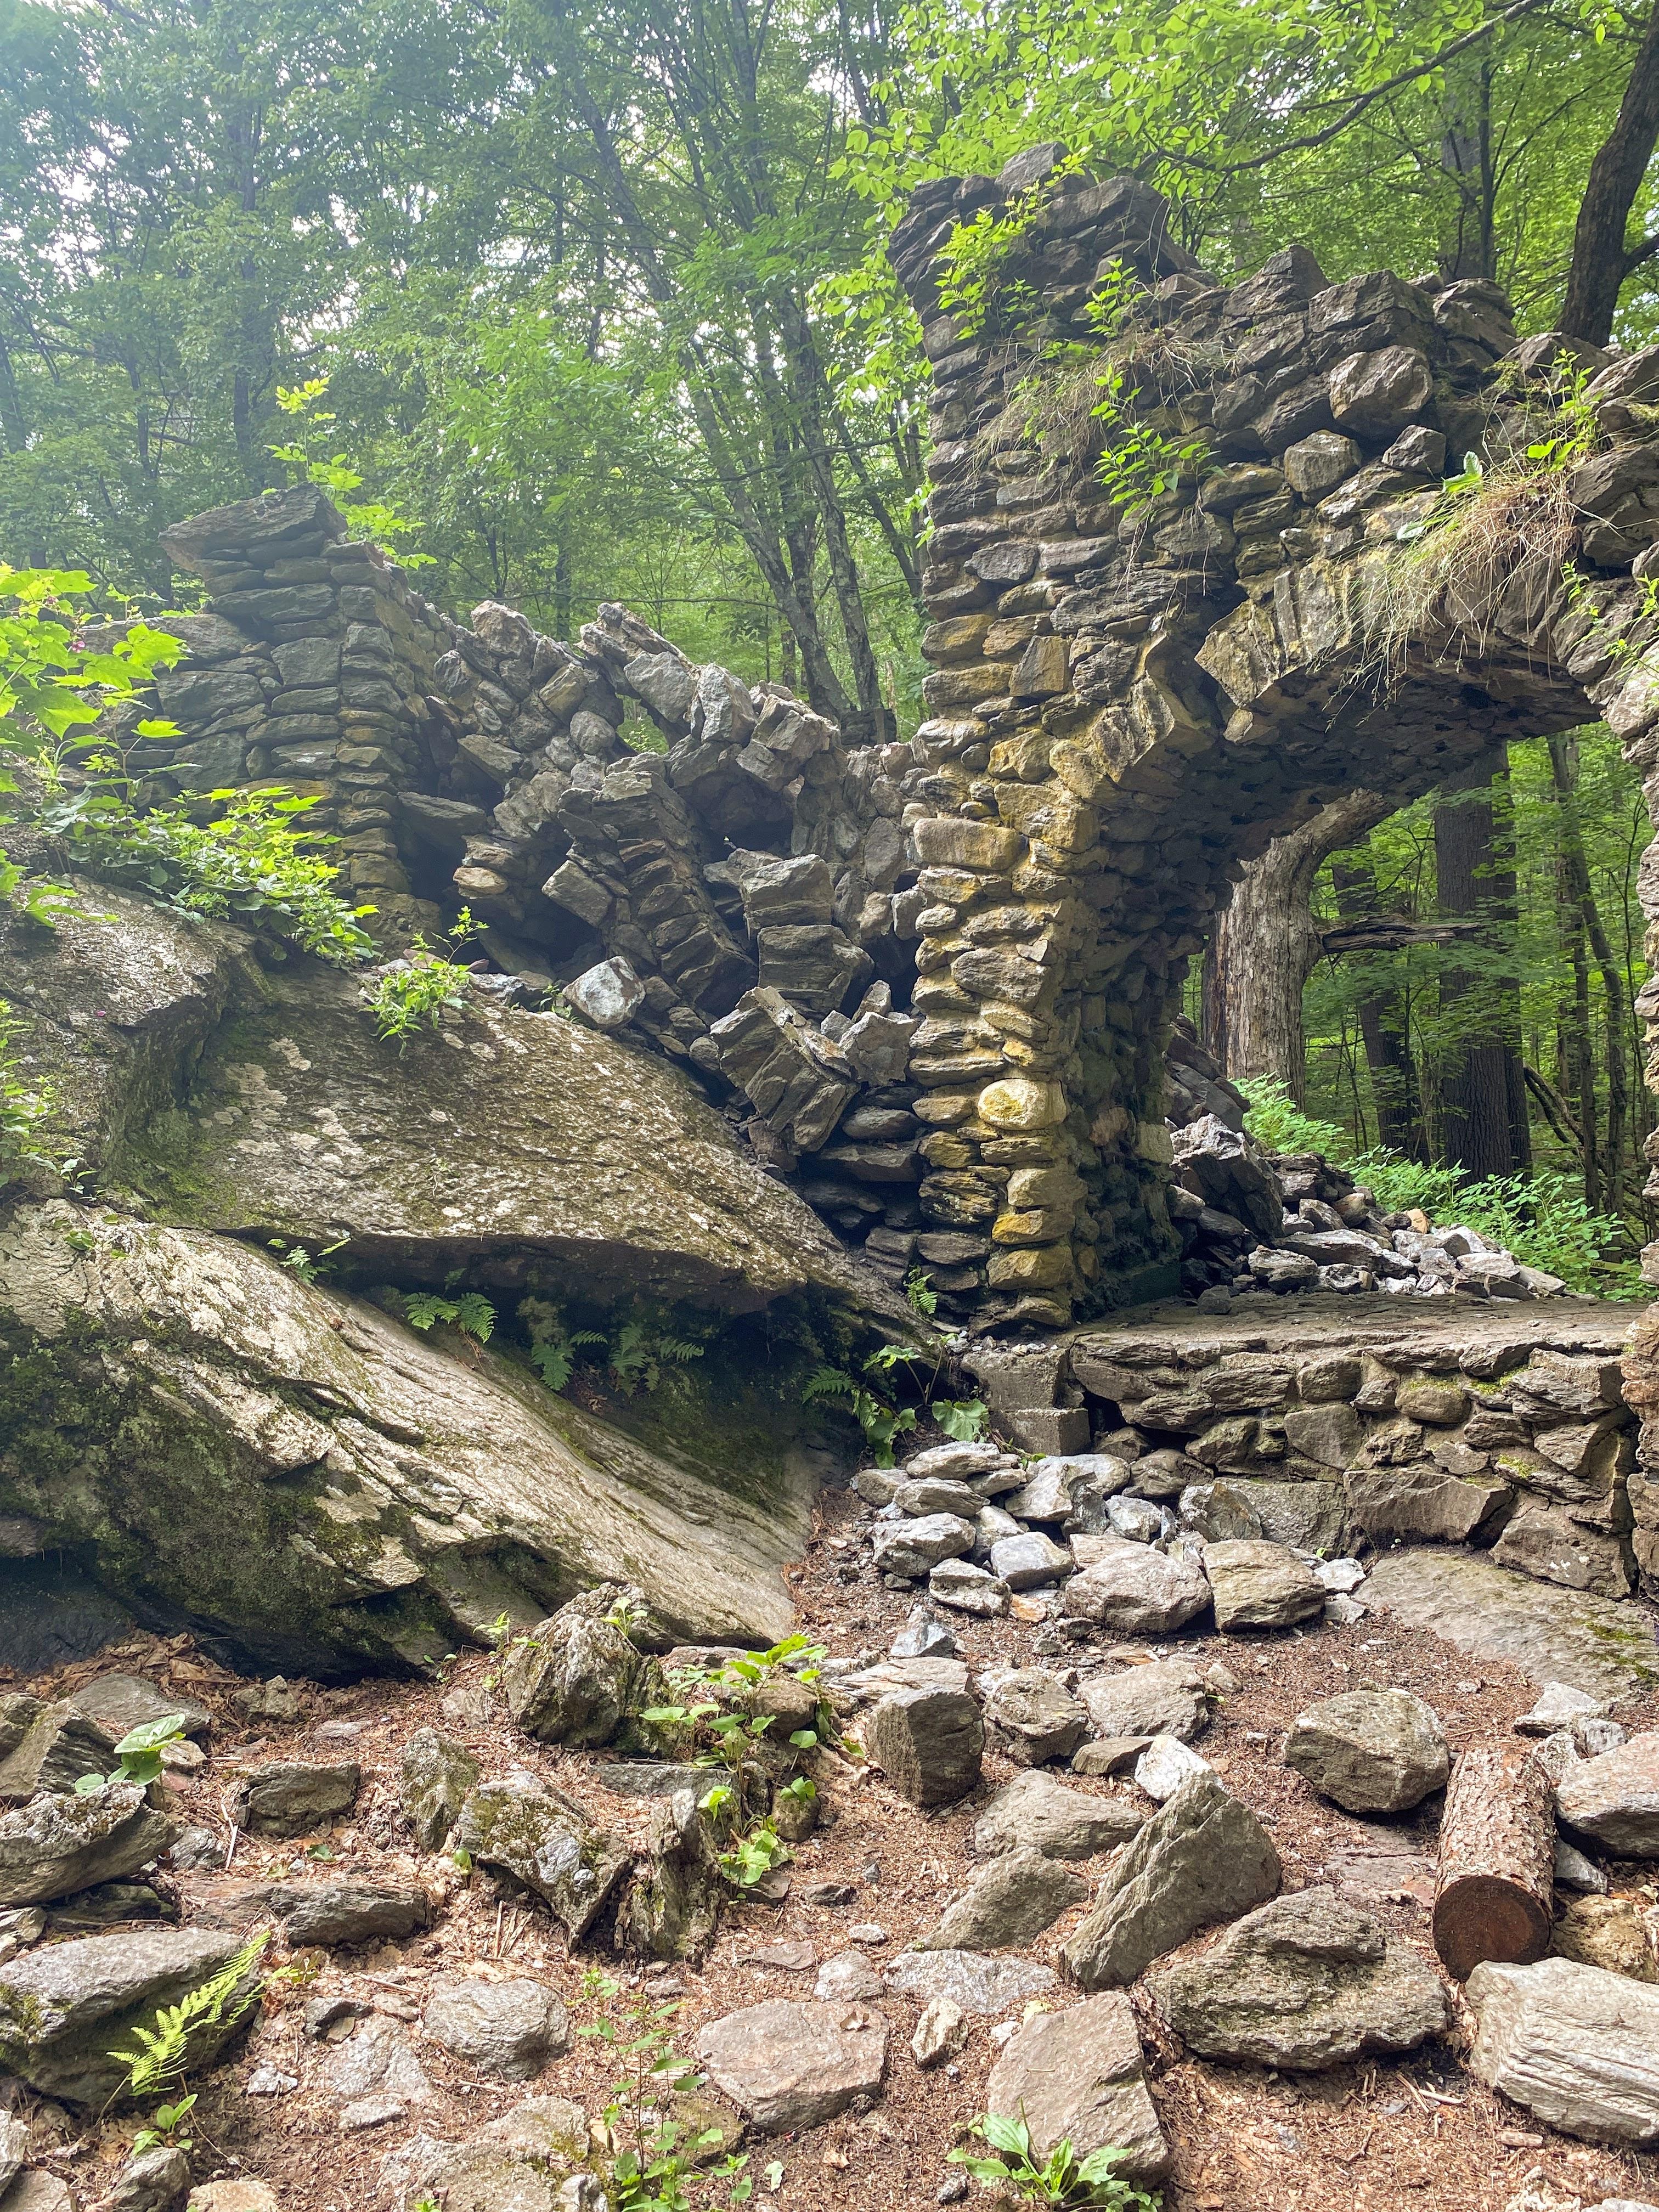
x=139, y=1753
x=416, y=992
x=658, y=2162
x=1061, y=2179
x=164, y=2051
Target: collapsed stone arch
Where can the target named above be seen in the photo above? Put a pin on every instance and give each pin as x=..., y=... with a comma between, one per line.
x=935, y=978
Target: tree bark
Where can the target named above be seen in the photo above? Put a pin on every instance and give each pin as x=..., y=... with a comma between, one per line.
x=1575, y=868
x=1483, y=1093
x=1601, y=259
x=1266, y=944
x=1386, y=1037
x=1497, y=1860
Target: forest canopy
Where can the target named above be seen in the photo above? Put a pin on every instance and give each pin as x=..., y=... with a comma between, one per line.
x=574, y=301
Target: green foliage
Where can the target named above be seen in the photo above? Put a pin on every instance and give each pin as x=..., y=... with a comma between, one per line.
x=471, y=1312
x=709, y=1731
x=1541, y=1217
x=965, y=1420
x=656, y=2161
x=251, y=862
x=419, y=990
x=164, y=2051
x=365, y=518
x=166, y=2121
x=920, y=1295
x=310, y=1266
x=26, y=1104
x=753, y=1857
x=1062, y=2179
x=139, y=1753
x=882, y=1424
x=638, y=1353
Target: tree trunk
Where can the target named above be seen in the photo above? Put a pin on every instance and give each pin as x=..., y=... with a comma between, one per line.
x=1497, y=1860
x=1600, y=258
x=1385, y=1034
x=1483, y=1092
x=1266, y=944
x=1575, y=868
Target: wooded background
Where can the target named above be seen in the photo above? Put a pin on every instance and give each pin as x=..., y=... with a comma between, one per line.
x=592, y=297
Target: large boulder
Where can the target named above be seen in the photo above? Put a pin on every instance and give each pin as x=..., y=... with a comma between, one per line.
x=1203, y=1856
x=1136, y=1591
x=1372, y=1751
x=257, y=1100
x=543, y=1839
x=1615, y=1797
x=66, y=2009
x=1575, y=2045
x=58, y=1844
x=294, y=1468
x=1306, y=1982
x=577, y=1678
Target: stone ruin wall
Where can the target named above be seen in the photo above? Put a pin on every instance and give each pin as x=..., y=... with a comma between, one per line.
x=936, y=977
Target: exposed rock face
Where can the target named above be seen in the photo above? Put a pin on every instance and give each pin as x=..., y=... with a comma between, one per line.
x=1076, y=2075
x=58, y=1844
x=436, y=1775
x=1615, y=1798
x=1575, y=2045
x=1202, y=1856
x=324, y=1484
x=1307, y=1983
x=1372, y=1751
x=794, y=2065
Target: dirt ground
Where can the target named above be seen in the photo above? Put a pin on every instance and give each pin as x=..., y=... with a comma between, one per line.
x=1420, y=2131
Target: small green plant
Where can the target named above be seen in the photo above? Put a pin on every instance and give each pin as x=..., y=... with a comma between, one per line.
x=426, y=985
x=365, y=518
x=753, y=1857
x=1062, y=2179
x=471, y=1312
x=139, y=1753
x=553, y=1347
x=919, y=1291
x=164, y=2051
x=638, y=1354
x=164, y=2131
x=713, y=1734
x=882, y=1423
x=657, y=2162
x=965, y=1420
x=310, y=1266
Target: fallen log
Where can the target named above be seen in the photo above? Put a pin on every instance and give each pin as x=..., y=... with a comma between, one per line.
x=1497, y=1860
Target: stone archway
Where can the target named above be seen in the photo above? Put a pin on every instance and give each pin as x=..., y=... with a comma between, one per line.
x=935, y=979
x=1127, y=701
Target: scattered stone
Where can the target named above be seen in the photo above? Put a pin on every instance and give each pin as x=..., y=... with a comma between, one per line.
x=967, y=1589
x=375, y=2075
x=790, y=2065
x=55, y=1747
x=1370, y=1751
x=1202, y=1856
x=1260, y=1586
x=512, y=2028
x=268, y=2079
x=985, y=1986
x=197, y=1851
x=1134, y=1590
x=1034, y=1717
x=1165, y=1763
x=1019, y=1894
x=1044, y=1495
x=1077, y=2076
x=910, y=1548
x=326, y=1913
x=1108, y=1754
x=673, y=1909
x=924, y=1636
x=1607, y=1932
x=962, y=1462
x=1027, y=1562
x=1306, y=1982
x=432, y=1780
x=37, y=2190
x=1615, y=1798
x=64, y=2009
x=1574, y=1871
x=1036, y=1813
x=275, y=1700
x=933, y=1496
x=1168, y=1698
x=534, y=2158
x=1574, y=2046
x=940, y=2032
x=608, y=994
x=929, y=1743
x=118, y=1703
x=543, y=1839
x=849, y=1975
x=14, y=2148
x=233, y=2196
x=290, y=1798
x=1560, y=1706
x=577, y=1678
x=152, y=2180
x=59, y=1845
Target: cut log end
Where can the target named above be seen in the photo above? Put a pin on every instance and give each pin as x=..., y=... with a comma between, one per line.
x=1486, y=1917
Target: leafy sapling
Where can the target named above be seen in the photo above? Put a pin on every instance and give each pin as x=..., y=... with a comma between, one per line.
x=139, y=1753
x=1061, y=2179
x=166, y=2121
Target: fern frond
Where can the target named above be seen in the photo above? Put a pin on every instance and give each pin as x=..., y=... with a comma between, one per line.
x=829, y=1383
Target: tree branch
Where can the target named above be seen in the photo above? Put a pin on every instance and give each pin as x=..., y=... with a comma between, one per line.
x=1389, y=933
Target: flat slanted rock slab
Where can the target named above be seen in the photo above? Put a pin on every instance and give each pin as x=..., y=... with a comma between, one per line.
x=1077, y=2075
x=1615, y=1798
x=1203, y=1856
x=792, y=2066
x=1014, y=1899
x=1596, y=1644
x=1575, y=2045
x=1306, y=1982
x=989, y=1987
x=1034, y=1812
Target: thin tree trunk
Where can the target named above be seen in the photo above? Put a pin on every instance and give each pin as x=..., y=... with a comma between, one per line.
x=1564, y=770
x=1483, y=1093
x=1385, y=1034
x=1266, y=944
x=1600, y=258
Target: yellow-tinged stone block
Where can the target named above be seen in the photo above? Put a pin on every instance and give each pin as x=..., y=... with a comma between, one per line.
x=1031, y=1268
x=1152, y=1143
x=1036, y=1225
x=1017, y=1103
x=946, y=841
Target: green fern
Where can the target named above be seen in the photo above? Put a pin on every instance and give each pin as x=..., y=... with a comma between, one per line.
x=164, y=2050
x=471, y=1312
x=828, y=1383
